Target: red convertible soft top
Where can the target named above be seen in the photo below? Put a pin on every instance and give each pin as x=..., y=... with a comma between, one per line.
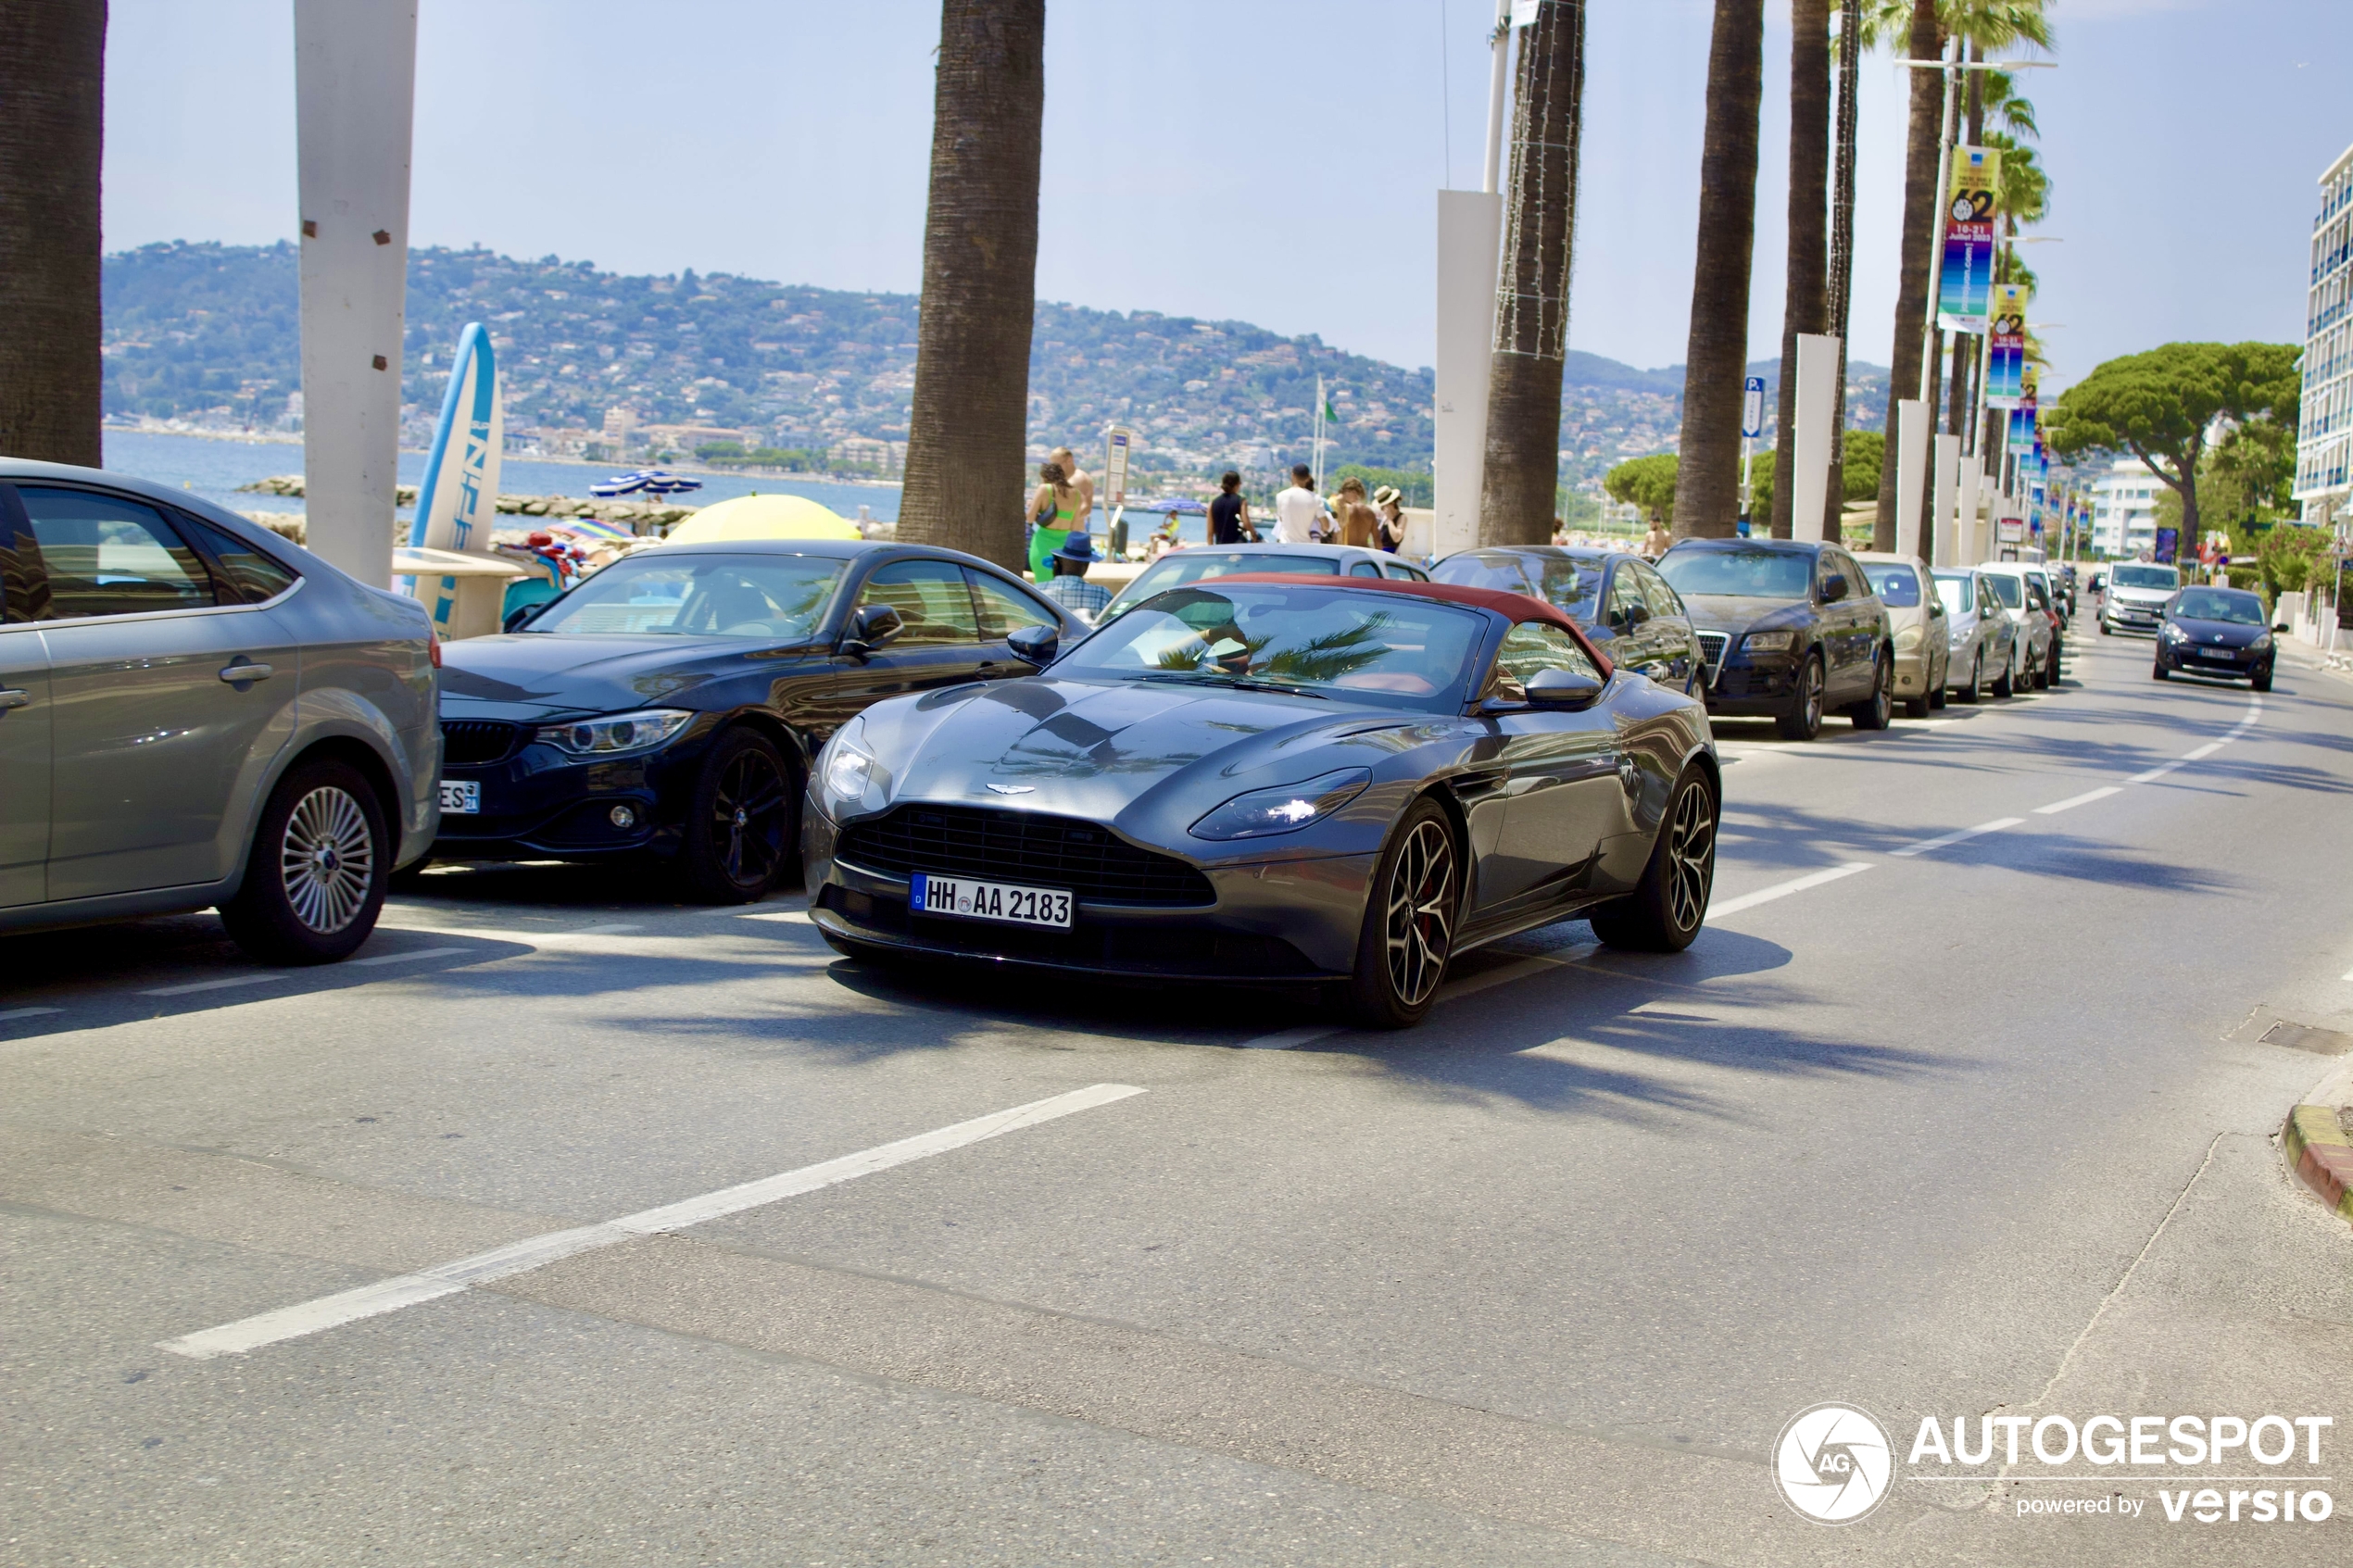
x=1515, y=607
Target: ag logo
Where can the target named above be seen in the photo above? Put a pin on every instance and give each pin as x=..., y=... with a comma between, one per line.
x=1833, y=1463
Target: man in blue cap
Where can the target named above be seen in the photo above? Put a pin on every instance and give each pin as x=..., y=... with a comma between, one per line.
x=1068, y=587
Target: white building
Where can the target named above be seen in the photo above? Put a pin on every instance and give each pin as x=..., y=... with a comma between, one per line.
x=2322, y=469
x=2124, y=508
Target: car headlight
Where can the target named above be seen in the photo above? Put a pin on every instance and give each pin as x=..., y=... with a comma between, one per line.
x=616, y=733
x=1768, y=642
x=1265, y=812
x=2260, y=645
x=849, y=779
x=1908, y=639
x=2173, y=633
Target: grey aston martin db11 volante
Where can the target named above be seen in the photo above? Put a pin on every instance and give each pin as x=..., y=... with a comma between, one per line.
x=1342, y=784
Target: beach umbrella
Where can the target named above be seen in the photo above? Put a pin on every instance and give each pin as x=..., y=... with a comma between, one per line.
x=1172, y=504
x=644, y=481
x=590, y=531
x=763, y=516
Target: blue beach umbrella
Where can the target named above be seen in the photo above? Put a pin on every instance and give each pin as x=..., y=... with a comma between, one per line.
x=647, y=482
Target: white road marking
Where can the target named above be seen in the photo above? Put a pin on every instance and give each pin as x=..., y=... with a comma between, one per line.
x=2155, y=774
x=27, y=1012
x=790, y=917
x=1783, y=889
x=499, y=1262
x=1942, y=840
x=418, y=956
x=222, y=985
x=2209, y=749
x=617, y=929
x=2072, y=801
x=1289, y=1039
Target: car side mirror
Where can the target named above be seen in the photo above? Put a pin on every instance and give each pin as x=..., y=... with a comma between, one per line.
x=1636, y=615
x=1562, y=688
x=520, y=617
x=870, y=627
x=2280, y=626
x=1834, y=589
x=1035, y=646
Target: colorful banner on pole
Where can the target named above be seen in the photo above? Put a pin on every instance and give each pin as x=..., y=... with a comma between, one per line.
x=1964, y=281
x=2006, y=347
x=2022, y=434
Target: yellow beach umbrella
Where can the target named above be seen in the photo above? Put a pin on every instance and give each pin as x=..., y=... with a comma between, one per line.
x=763, y=516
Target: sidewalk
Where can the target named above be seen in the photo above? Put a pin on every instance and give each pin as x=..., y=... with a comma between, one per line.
x=2318, y=1139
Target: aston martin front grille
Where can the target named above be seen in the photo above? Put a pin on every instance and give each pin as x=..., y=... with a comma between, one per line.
x=1021, y=847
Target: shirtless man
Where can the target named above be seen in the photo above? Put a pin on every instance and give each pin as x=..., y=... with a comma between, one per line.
x=1078, y=477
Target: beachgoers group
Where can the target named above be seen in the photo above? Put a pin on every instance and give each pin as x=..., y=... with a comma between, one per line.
x=1065, y=502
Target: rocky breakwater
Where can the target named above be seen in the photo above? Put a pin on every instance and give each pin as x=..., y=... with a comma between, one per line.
x=645, y=517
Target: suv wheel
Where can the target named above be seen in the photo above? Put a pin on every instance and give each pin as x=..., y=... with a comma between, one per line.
x=1874, y=711
x=1803, y=719
x=316, y=875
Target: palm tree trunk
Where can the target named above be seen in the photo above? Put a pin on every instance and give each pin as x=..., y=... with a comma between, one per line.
x=1520, y=484
x=1708, y=477
x=1922, y=203
x=965, y=436
x=1805, y=306
x=52, y=139
x=1842, y=277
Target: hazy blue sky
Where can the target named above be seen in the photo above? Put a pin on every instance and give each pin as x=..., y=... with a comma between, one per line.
x=1271, y=160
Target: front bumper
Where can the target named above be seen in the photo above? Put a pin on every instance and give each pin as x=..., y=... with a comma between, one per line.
x=542, y=804
x=1751, y=688
x=2131, y=618
x=1275, y=923
x=2192, y=659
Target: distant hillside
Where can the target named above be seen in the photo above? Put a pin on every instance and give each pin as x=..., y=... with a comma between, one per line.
x=209, y=334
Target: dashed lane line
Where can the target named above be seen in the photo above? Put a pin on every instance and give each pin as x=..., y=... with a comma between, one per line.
x=502, y=1262
x=2072, y=801
x=1783, y=889
x=1948, y=839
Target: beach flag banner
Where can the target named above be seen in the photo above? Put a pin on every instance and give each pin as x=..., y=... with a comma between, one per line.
x=458, y=503
x=2006, y=346
x=2022, y=437
x=1964, y=281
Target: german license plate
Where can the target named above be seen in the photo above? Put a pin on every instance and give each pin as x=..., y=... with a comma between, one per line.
x=461, y=798
x=989, y=900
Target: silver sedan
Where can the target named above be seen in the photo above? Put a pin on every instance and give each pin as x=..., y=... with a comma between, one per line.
x=194, y=712
x=1983, y=639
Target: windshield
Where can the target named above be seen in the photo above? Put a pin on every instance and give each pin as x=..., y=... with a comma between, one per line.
x=1383, y=648
x=1569, y=584
x=673, y=594
x=2007, y=589
x=1756, y=574
x=2147, y=577
x=2217, y=603
x=1198, y=566
x=1955, y=589
x=1895, y=584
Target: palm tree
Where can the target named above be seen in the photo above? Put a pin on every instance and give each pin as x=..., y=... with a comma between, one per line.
x=52, y=136
x=1806, y=305
x=1842, y=266
x=1708, y=477
x=965, y=436
x=1518, y=489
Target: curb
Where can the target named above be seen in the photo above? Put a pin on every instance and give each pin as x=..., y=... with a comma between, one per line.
x=2322, y=1153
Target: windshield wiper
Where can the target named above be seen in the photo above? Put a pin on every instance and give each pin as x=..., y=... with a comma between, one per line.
x=1236, y=683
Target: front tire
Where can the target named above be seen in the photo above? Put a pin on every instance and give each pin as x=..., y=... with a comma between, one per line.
x=2159, y=672
x=2006, y=684
x=1668, y=905
x=1803, y=719
x=1974, y=692
x=1409, y=923
x=1874, y=713
x=739, y=820
x=2261, y=680
x=316, y=875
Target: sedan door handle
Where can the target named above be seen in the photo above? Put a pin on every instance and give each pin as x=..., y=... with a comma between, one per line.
x=13, y=697
x=238, y=674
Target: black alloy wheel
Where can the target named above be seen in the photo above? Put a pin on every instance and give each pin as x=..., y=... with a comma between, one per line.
x=739, y=820
x=1668, y=907
x=1409, y=923
x=1803, y=719
x=316, y=874
x=1874, y=711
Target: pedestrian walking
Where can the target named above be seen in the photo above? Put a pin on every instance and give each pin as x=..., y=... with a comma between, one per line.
x=1068, y=586
x=1654, y=543
x=1353, y=522
x=1054, y=511
x=1299, y=511
x=1388, y=506
x=1229, y=514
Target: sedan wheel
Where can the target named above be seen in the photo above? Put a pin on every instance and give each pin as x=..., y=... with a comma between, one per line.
x=739, y=824
x=1667, y=908
x=1975, y=690
x=315, y=878
x=1409, y=923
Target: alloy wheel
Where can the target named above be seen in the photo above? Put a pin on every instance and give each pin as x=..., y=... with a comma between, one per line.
x=327, y=860
x=747, y=818
x=1691, y=857
x=1420, y=924
x=1813, y=678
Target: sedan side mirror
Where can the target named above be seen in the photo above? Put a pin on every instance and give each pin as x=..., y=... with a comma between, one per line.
x=870, y=627
x=2280, y=626
x=1834, y=589
x=1563, y=688
x=1035, y=646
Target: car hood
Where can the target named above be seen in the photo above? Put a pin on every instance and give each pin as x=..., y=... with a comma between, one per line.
x=1125, y=752
x=528, y=675
x=1731, y=613
x=2217, y=634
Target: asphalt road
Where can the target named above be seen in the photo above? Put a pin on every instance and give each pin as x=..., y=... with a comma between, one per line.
x=1976, y=1126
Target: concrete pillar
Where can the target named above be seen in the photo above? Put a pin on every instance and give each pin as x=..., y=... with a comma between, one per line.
x=1942, y=537
x=1911, y=462
x=1808, y=472
x=1470, y=227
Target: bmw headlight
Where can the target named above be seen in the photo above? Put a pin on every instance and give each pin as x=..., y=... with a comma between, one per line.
x=1908, y=639
x=849, y=779
x=1768, y=642
x=1265, y=812
x=616, y=733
